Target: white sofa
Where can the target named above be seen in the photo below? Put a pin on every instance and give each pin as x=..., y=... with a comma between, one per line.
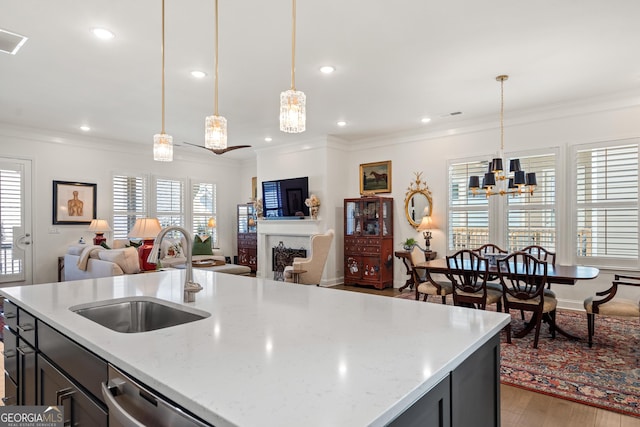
x=124, y=260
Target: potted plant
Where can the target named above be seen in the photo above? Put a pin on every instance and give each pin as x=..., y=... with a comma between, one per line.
x=409, y=243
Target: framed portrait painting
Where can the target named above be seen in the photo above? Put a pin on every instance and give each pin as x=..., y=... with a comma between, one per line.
x=375, y=177
x=74, y=202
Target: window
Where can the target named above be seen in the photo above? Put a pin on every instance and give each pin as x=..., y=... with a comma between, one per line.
x=468, y=214
x=129, y=203
x=170, y=202
x=607, y=201
x=531, y=218
x=203, y=207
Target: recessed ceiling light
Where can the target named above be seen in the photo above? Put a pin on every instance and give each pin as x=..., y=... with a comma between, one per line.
x=268, y=139
x=327, y=69
x=103, y=33
x=341, y=123
x=425, y=119
x=85, y=128
x=198, y=74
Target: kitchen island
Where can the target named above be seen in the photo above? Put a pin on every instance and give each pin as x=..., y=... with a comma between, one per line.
x=281, y=354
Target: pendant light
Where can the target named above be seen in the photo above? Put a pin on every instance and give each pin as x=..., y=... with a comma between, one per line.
x=215, y=128
x=495, y=180
x=162, y=143
x=293, y=102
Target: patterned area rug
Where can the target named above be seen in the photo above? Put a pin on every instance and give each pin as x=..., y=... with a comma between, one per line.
x=605, y=376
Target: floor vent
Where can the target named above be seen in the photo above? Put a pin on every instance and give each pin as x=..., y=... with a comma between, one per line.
x=10, y=42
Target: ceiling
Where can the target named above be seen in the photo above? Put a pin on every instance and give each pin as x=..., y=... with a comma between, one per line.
x=396, y=62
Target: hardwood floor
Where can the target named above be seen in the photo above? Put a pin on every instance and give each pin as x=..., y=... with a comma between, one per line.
x=523, y=408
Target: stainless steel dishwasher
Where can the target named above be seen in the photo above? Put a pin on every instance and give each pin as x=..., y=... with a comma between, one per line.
x=132, y=405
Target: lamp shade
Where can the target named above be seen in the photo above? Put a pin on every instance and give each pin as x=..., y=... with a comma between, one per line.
x=99, y=226
x=425, y=224
x=474, y=181
x=211, y=223
x=145, y=228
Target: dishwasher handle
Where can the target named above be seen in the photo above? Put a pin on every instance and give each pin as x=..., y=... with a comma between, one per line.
x=115, y=410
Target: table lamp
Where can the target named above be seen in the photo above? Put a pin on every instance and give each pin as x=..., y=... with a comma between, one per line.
x=99, y=226
x=146, y=229
x=425, y=227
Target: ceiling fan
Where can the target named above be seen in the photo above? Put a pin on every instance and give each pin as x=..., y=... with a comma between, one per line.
x=219, y=150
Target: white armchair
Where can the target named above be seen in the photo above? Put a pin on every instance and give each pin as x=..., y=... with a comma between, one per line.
x=314, y=264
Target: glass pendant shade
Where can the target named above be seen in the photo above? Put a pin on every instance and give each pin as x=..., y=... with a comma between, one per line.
x=162, y=147
x=215, y=132
x=293, y=114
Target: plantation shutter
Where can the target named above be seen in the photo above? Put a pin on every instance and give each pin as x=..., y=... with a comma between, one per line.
x=169, y=202
x=11, y=265
x=468, y=214
x=203, y=207
x=129, y=203
x=531, y=218
x=607, y=201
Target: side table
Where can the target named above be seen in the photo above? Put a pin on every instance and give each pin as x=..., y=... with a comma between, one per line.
x=296, y=275
x=405, y=256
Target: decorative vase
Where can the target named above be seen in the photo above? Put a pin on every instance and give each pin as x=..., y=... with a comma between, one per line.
x=408, y=248
x=314, y=212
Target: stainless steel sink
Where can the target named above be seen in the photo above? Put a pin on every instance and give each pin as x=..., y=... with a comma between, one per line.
x=132, y=315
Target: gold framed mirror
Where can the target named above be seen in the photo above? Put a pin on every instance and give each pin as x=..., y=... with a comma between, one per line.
x=418, y=201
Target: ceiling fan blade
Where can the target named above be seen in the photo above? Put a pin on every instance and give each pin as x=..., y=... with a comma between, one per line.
x=234, y=147
x=220, y=150
x=196, y=145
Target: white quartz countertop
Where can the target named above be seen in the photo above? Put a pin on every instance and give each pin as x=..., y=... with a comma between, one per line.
x=274, y=353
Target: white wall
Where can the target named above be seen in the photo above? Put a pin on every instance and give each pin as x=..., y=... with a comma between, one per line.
x=71, y=158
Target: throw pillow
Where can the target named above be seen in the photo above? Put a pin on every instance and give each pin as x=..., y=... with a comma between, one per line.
x=104, y=245
x=201, y=246
x=174, y=250
x=126, y=258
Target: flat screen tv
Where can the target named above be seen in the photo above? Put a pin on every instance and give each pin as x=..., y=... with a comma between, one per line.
x=284, y=198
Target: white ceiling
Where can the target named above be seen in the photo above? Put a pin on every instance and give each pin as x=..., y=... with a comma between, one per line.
x=396, y=62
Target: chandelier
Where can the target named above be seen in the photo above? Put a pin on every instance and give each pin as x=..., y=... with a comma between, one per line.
x=162, y=143
x=293, y=115
x=517, y=183
x=215, y=137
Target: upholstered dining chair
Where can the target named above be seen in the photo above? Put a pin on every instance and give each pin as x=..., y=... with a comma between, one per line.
x=468, y=274
x=424, y=284
x=491, y=249
x=523, y=278
x=313, y=264
x=546, y=255
x=610, y=306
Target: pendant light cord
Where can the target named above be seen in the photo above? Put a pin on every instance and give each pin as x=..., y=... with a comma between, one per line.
x=215, y=102
x=293, y=48
x=502, y=114
x=162, y=51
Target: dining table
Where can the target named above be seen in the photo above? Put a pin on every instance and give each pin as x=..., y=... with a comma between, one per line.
x=556, y=273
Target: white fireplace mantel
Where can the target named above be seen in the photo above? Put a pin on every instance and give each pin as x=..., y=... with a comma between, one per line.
x=289, y=231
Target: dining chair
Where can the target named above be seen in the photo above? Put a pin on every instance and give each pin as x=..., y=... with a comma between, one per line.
x=546, y=255
x=468, y=274
x=491, y=249
x=610, y=306
x=523, y=278
x=423, y=282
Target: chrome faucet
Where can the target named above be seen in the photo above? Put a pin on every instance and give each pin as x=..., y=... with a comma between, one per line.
x=190, y=287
